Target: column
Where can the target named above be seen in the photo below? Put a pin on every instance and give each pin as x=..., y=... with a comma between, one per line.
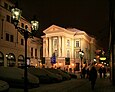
x=47, y=45
x=59, y=46
x=63, y=47
x=50, y=47
x=44, y=47
x=72, y=48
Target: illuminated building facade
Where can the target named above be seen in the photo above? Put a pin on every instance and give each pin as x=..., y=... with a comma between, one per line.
x=66, y=43
x=12, y=42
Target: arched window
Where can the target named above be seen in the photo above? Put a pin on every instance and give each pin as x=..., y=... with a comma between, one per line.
x=11, y=60
x=20, y=60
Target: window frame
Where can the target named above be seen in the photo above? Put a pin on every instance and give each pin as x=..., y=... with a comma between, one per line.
x=77, y=43
x=7, y=37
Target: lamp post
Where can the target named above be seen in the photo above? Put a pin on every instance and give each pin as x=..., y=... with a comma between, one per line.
x=81, y=54
x=16, y=15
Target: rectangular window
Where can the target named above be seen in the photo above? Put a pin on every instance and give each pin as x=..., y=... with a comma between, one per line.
x=10, y=7
x=36, y=53
x=55, y=44
x=68, y=53
x=11, y=38
x=68, y=43
x=8, y=18
x=7, y=37
x=32, y=52
x=77, y=44
x=12, y=20
x=22, y=42
x=22, y=25
x=5, y=5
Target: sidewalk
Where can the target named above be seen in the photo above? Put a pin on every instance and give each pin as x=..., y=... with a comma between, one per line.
x=102, y=85
x=74, y=85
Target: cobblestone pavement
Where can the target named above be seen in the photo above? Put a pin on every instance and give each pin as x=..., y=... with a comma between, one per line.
x=74, y=85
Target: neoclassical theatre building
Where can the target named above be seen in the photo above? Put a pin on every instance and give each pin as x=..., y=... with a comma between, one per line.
x=67, y=43
x=12, y=47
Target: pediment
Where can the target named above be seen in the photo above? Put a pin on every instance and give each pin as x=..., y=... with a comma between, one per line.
x=54, y=29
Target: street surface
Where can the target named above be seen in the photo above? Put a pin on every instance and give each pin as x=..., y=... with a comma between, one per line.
x=74, y=85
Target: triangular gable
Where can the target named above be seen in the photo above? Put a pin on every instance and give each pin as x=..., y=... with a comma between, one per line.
x=54, y=28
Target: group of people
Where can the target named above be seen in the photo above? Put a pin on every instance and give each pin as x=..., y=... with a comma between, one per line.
x=102, y=71
x=91, y=73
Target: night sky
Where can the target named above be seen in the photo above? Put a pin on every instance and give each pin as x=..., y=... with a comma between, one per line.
x=91, y=16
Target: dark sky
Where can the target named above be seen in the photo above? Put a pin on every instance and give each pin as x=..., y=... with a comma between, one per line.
x=91, y=16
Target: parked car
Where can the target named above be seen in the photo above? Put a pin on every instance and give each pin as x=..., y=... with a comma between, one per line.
x=15, y=77
x=44, y=75
x=58, y=71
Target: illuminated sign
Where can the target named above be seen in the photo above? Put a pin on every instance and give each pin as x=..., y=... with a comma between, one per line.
x=102, y=58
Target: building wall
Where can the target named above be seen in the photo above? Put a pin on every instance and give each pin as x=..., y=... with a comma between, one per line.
x=62, y=42
x=12, y=42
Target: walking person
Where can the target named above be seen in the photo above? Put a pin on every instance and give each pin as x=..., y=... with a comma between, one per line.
x=83, y=72
x=100, y=72
x=104, y=72
x=87, y=73
x=93, y=76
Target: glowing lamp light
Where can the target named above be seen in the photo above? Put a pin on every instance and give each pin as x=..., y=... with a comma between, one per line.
x=94, y=60
x=60, y=64
x=105, y=63
x=6, y=55
x=16, y=14
x=102, y=58
x=72, y=64
x=35, y=24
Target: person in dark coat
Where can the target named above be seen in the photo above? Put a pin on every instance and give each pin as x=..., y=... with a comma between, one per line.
x=104, y=72
x=100, y=72
x=87, y=73
x=93, y=76
x=83, y=72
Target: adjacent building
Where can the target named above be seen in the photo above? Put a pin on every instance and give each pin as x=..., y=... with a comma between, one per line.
x=66, y=44
x=12, y=42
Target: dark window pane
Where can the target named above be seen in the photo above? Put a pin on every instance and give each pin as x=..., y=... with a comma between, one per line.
x=31, y=52
x=26, y=27
x=7, y=37
x=35, y=52
x=10, y=7
x=5, y=5
x=11, y=20
x=77, y=43
x=11, y=38
x=22, y=42
x=8, y=18
x=22, y=25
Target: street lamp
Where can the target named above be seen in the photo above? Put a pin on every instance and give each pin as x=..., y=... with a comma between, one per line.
x=16, y=15
x=81, y=54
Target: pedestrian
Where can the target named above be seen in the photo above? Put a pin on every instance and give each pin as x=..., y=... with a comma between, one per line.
x=93, y=76
x=87, y=71
x=83, y=72
x=104, y=72
x=100, y=72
